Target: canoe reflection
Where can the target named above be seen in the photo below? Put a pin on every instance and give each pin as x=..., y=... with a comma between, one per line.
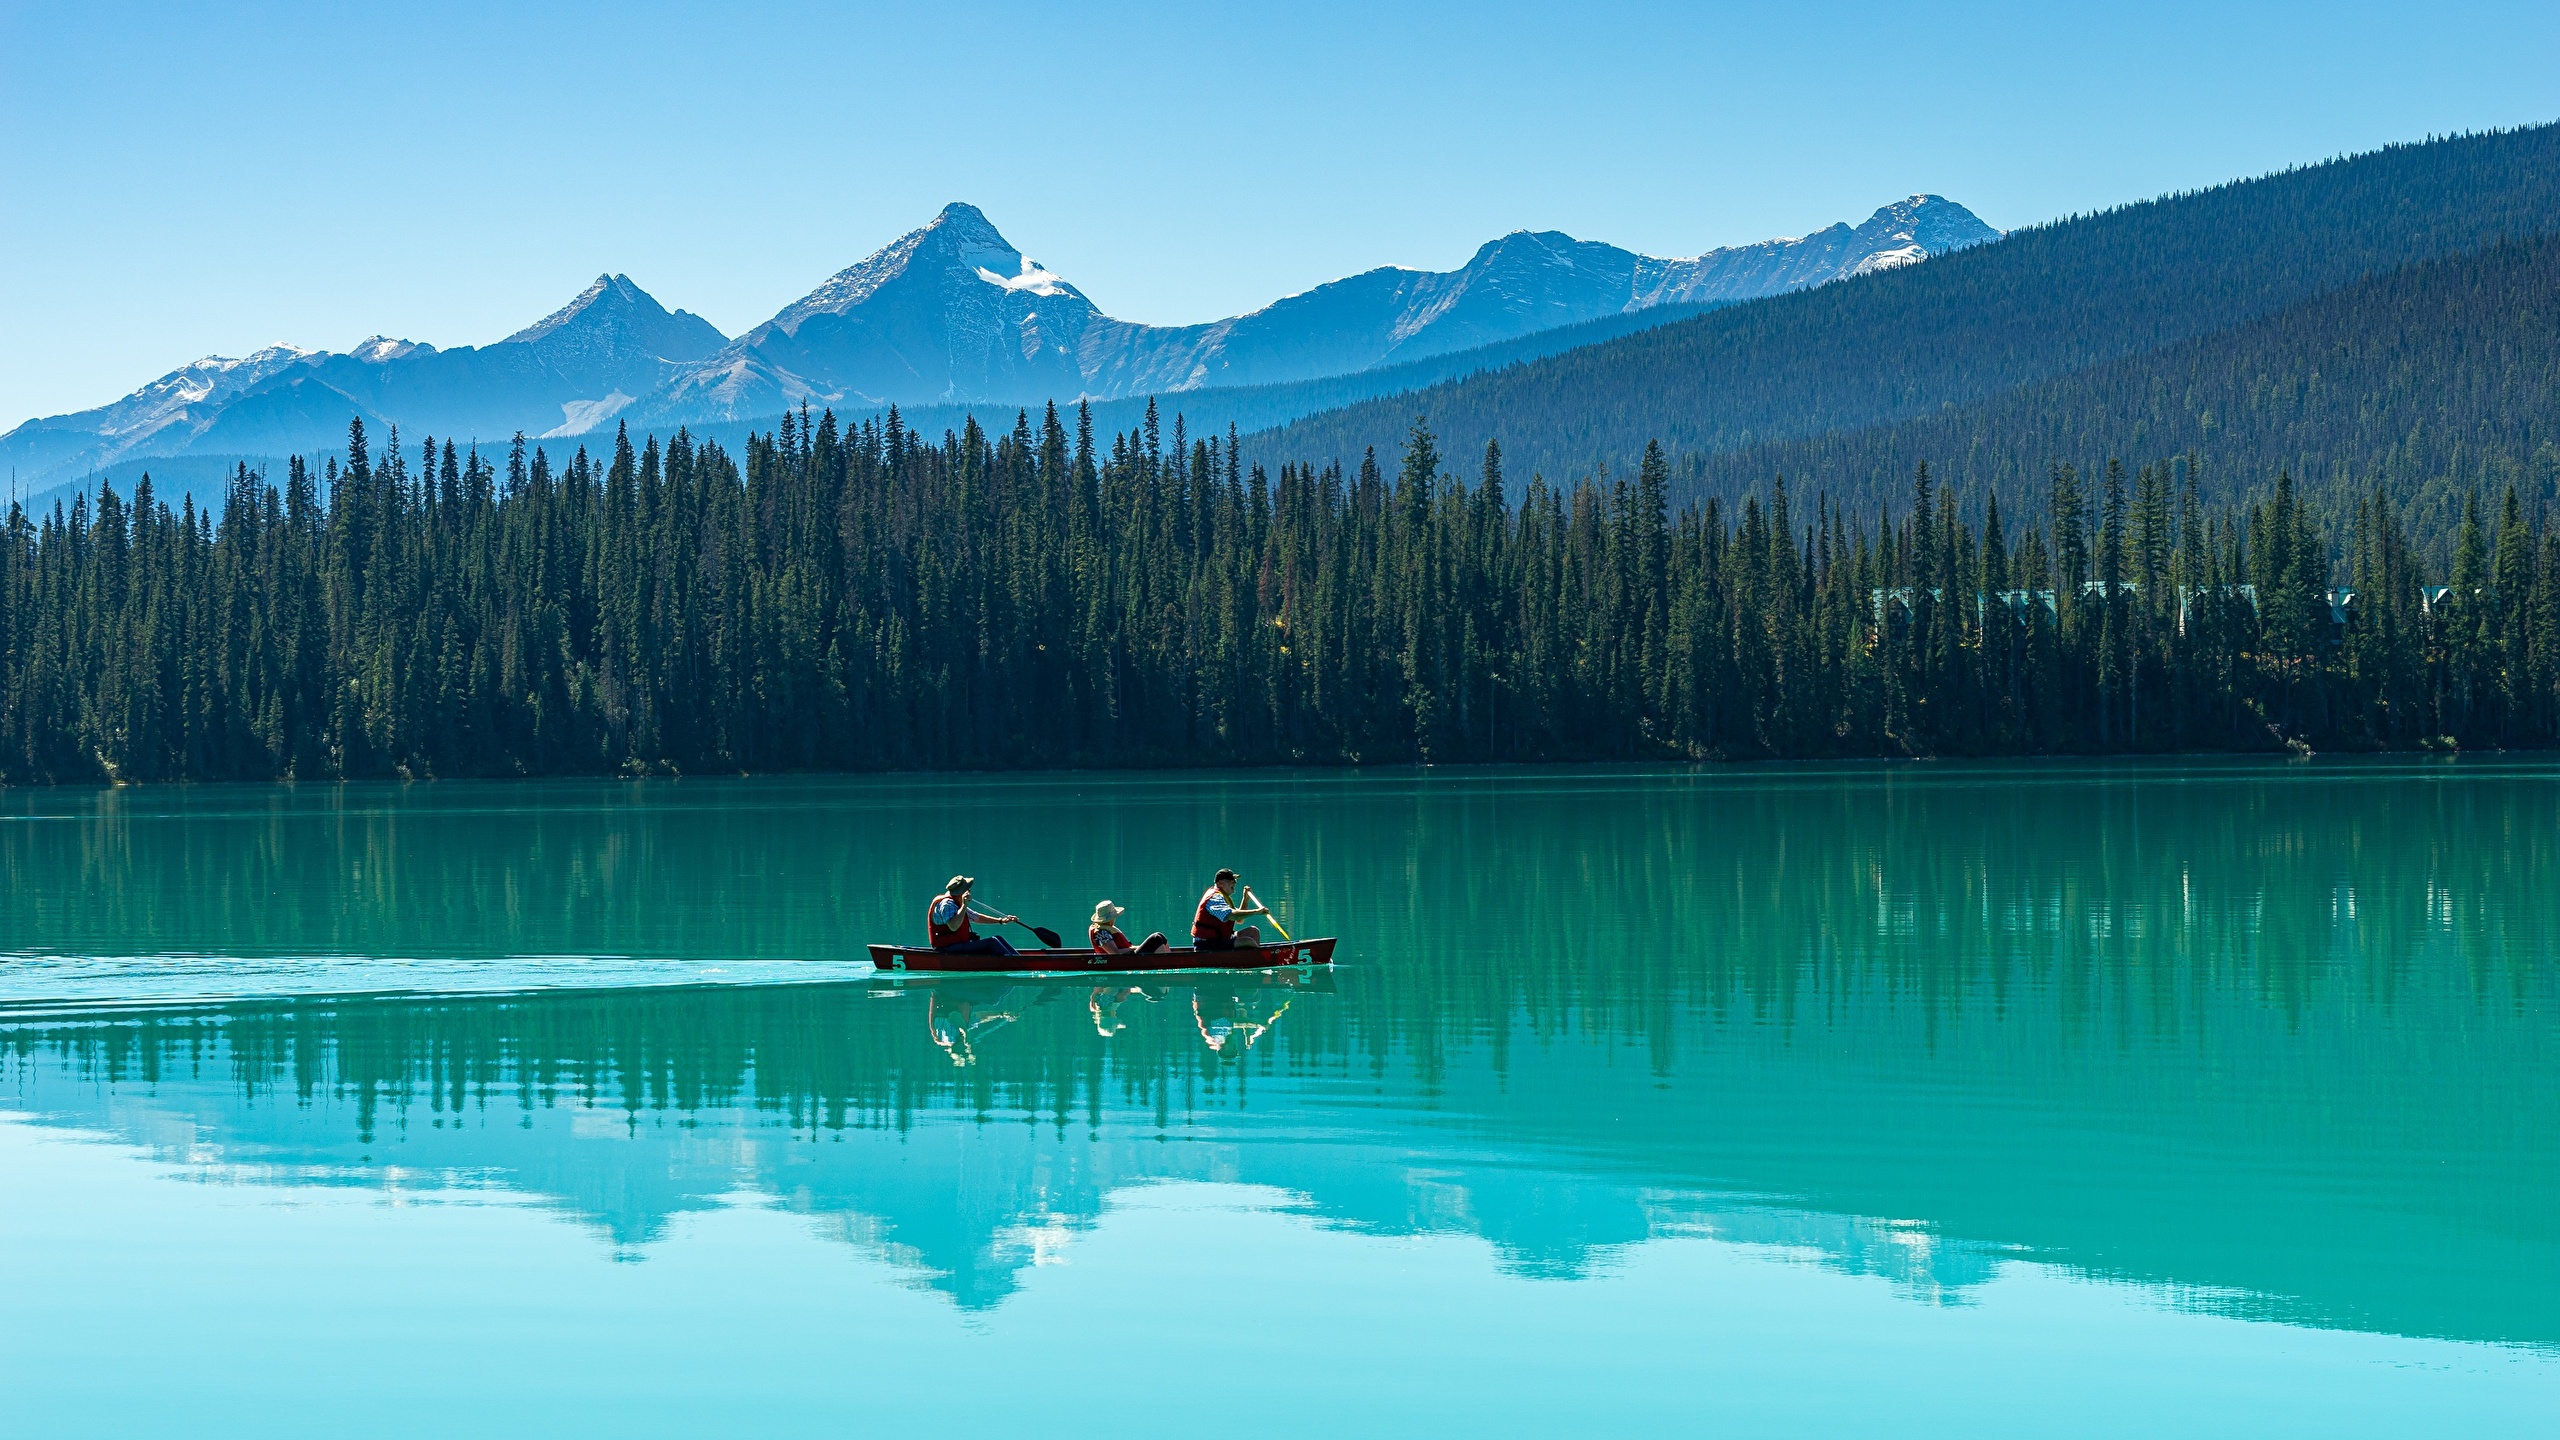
x=1232, y=1028
x=1230, y=1014
x=957, y=1027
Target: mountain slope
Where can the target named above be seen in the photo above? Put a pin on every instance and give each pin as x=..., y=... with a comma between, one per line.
x=281, y=414
x=2043, y=302
x=2430, y=379
x=1255, y=407
x=611, y=324
x=170, y=410
x=1518, y=285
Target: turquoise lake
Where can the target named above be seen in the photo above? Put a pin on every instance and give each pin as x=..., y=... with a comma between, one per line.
x=2196, y=1098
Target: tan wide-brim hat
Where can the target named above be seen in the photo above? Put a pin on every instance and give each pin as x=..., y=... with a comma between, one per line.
x=1107, y=913
x=961, y=882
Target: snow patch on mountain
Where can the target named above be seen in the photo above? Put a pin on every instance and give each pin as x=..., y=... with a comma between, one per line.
x=1890, y=259
x=1034, y=279
x=577, y=417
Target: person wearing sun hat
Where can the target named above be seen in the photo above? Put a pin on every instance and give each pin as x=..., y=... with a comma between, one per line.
x=948, y=920
x=1107, y=938
x=1104, y=933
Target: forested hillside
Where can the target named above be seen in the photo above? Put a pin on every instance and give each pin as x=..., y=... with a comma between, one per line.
x=2041, y=303
x=1257, y=407
x=2436, y=381
x=869, y=600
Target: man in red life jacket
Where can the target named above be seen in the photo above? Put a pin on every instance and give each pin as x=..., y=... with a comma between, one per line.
x=948, y=922
x=1213, y=925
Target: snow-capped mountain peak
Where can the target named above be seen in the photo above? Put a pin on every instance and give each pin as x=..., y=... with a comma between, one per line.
x=607, y=292
x=151, y=405
x=203, y=377
x=581, y=364
x=382, y=350
x=1935, y=223
x=948, y=310
x=280, y=353
x=959, y=241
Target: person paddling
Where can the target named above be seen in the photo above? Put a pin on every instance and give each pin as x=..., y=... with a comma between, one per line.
x=949, y=922
x=1106, y=938
x=1213, y=925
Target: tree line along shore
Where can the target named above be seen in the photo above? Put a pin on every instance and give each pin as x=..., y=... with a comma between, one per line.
x=865, y=598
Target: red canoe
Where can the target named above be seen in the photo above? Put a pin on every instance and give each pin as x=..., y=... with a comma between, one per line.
x=1052, y=962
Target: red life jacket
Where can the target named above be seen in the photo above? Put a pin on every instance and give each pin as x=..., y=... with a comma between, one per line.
x=1108, y=939
x=1205, y=926
x=945, y=936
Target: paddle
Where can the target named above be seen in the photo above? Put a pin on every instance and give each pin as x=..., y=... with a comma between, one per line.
x=1047, y=936
x=1251, y=899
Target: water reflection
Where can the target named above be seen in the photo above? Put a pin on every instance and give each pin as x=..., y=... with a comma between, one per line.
x=2266, y=1042
x=1230, y=1014
x=630, y=1109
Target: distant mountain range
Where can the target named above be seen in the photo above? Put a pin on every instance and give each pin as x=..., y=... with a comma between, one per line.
x=574, y=367
x=950, y=314
x=2151, y=310
x=953, y=314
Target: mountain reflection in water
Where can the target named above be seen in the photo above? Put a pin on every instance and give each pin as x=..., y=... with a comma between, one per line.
x=2264, y=1042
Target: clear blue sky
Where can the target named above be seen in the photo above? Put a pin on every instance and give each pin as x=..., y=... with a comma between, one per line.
x=185, y=180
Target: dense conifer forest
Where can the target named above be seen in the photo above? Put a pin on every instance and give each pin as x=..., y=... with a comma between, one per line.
x=2436, y=381
x=875, y=599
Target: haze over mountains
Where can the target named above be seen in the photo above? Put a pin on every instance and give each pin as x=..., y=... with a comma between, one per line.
x=950, y=313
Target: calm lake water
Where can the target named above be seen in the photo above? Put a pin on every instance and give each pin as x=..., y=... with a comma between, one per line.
x=2196, y=1099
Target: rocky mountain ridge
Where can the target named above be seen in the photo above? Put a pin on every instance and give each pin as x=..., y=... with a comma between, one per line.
x=950, y=313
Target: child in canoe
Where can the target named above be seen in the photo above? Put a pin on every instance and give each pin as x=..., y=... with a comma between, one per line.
x=1107, y=938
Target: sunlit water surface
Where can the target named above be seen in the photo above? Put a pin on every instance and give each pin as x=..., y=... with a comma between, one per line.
x=2197, y=1099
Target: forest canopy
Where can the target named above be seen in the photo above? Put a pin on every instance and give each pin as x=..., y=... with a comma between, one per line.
x=872, y=599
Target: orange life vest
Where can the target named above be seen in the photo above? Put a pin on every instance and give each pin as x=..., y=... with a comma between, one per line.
x=1205, y=926
x=1108, y=939
x=945, y=936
